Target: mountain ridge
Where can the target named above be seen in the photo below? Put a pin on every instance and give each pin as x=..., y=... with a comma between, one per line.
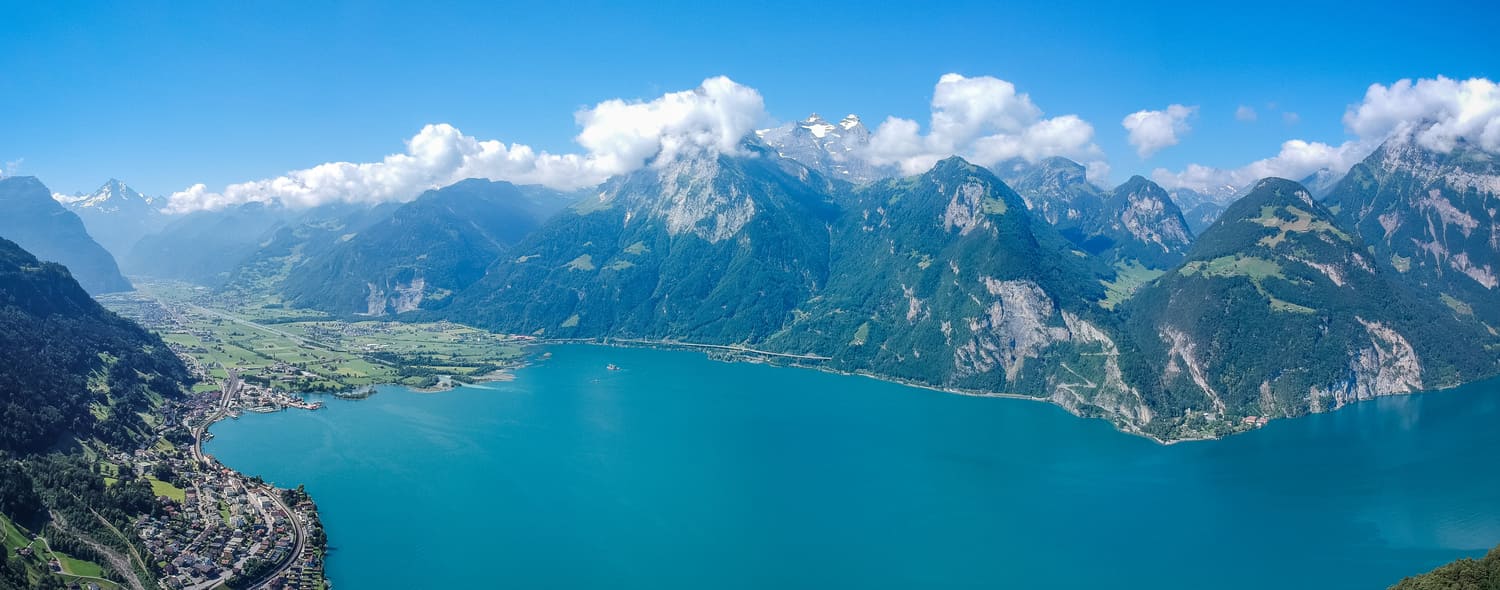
x=45, y=228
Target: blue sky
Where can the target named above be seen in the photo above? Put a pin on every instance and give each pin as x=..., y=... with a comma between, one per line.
x=167, y=95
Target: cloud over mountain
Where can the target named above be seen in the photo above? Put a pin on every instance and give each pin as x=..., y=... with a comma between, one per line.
x=985, y=120
x=1438, y=112
x=1441, y=112
x=618, y=136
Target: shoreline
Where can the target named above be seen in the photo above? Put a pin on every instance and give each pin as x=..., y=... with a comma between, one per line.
x=727, y=353
x=709, y=349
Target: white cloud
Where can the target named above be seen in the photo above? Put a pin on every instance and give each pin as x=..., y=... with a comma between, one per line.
x=1244, y=113
x=622, y=135
x=1291, y=118
x=619, y=136
x=1438, y=113
x=12, y=167
x=986, y=121
x=1296, y=160
x=1153, y=131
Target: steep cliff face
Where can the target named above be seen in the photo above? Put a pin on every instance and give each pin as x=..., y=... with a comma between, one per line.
x=1432, y=218
x=946, y=279
x=1144, y=225
x=1280, y=311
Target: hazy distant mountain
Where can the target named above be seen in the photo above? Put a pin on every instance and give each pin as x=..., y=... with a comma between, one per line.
x=830, y=148
x=1322, y=182
x=420, y=254
x=301, y=239
x=1137, y=221
x=41, y=225
x=1280, y=311
x=116, y=215
x=1200, y=217
x=1431, y=217
x=1201, y=209
x=204, y=247
x=1057, y=190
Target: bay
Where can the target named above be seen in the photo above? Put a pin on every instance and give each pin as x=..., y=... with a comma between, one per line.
x=678, y=471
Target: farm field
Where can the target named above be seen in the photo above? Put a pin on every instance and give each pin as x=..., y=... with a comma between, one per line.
x=299, y=350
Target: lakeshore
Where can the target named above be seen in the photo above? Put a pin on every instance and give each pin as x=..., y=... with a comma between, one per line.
x=678, y=471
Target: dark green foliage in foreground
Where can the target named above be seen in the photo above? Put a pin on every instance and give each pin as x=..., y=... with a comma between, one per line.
x=64, y=498
x=1464, y=574
x=72, y=376
x=62, y=353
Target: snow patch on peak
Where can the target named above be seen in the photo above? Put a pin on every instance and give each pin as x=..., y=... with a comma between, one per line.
x=817, y=126
x=109, y=198
x=832, y=149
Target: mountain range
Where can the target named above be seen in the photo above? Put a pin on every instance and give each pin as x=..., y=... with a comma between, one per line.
x=1176, y=314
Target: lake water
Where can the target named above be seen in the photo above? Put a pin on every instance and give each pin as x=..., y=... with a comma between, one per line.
x=682, y=472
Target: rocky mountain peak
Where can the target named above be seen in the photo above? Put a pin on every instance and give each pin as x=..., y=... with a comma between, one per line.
x=1143, y=210
x=111, y=197
x=829, y=148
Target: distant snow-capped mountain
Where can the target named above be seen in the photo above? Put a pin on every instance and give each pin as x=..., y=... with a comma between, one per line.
x=830, y=148
x=115, y=214
x=112, y=197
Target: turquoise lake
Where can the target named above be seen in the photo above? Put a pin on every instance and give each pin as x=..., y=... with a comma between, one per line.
x=683, y=472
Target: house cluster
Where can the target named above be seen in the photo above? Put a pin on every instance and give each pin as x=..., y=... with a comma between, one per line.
x=305, y=574
x=224, y=525
x=257, y=398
